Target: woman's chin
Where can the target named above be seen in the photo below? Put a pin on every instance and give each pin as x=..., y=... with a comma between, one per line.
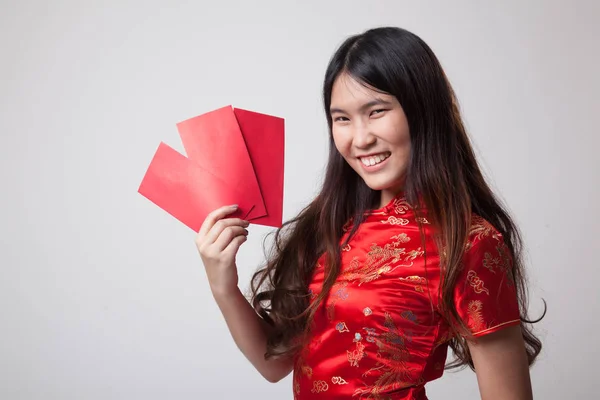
x=387, y=186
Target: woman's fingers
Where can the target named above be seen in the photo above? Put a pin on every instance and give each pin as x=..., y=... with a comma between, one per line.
x=228, y=234
x=234, y=245
x=220, y=226
x=213, y=217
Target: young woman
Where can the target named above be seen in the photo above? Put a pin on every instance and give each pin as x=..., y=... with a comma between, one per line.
x=404, y=253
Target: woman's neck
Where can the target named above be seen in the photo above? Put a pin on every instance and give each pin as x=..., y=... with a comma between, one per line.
x=387, y=195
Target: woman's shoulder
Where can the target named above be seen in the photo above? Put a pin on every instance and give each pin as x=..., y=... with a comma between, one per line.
x=481, y=229
x=485, y=243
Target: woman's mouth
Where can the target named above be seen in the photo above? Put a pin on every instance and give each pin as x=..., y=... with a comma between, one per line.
x=375, y=159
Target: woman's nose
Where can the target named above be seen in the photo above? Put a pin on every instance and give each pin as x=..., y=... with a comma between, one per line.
x=363, y=136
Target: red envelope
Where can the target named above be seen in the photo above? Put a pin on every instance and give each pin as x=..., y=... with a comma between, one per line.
x=214, y=141
x=187, y=191
x=264, y=137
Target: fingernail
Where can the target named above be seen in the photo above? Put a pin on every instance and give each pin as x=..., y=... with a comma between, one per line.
x=234, y=206
x=246, y=223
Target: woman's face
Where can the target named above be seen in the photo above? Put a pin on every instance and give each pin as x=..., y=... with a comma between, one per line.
x=371, y=132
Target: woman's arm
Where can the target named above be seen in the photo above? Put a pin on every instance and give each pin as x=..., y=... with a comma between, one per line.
x=218, y=242
x=249, y=331
x=501, y=365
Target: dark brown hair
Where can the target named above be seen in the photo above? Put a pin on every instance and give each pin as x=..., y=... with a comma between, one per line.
x=442, y=176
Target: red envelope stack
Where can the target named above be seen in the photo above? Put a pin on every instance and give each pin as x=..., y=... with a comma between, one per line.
x=234, y=156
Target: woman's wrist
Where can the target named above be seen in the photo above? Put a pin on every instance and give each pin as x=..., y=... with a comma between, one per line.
x=225, y=294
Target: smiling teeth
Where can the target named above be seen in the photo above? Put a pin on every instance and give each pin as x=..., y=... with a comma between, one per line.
x=373, y=160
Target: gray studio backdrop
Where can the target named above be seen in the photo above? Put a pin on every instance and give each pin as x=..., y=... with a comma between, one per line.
x=103, y=295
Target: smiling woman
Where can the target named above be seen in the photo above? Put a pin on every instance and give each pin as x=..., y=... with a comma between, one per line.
x=403, y=254
x=371, y=132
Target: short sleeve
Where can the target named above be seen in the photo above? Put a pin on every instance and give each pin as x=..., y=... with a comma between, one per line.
x=485, y=295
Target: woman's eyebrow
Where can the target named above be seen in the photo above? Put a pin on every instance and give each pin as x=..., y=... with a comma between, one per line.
x=376, y=102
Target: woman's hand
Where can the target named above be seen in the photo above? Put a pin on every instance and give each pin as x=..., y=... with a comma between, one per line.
x=218, y=241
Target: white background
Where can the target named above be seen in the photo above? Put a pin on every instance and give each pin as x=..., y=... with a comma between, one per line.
x=103, y=295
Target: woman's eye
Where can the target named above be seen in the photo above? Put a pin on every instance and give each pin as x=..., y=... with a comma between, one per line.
x=379, y=111
x=341, y=119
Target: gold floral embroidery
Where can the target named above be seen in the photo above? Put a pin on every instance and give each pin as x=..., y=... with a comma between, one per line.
x=300, y=364
x=306, y=370
x=481, y=228
x=357, y=354
x=354, y=263
x=504, y=254
x=367, y=311
x=296, y=380
x=319, y=386
x=476, y=283
x=400, y=206
x=338, y=380
x=506, y=263
x=395, y=373
x=490, y=262
x=475, y=318
x=422, y=220
x=379, y=261
x=341, y=327
x=347, y=248
x=395, y=221
x=341, y=293
x=401, y=238
x=338, y=292
x=411, y=255
x=418, y=281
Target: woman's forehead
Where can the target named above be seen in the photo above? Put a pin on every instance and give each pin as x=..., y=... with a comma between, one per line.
x=348, y=92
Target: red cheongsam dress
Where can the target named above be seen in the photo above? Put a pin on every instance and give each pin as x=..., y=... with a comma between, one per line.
x=379, y=334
